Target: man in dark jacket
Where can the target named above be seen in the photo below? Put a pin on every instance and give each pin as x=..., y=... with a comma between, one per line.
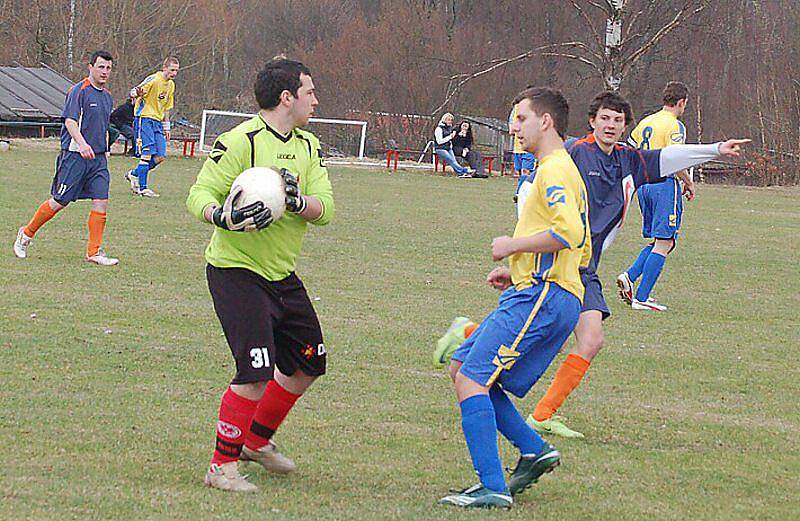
x=122, y=123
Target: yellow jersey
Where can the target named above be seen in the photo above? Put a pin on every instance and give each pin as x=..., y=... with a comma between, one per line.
x=518, y=149
x=157, y=99
x=657, y=131
x=557, y=203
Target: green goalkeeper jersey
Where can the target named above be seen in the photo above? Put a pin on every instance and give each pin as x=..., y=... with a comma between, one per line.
x=271, y=252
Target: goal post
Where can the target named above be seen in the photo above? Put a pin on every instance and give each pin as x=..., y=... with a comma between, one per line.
x=215, y=122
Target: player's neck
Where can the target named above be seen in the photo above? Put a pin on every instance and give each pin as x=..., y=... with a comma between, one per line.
x=95, y=84
x=549, y=143
x=281, y=123
x=671, y=110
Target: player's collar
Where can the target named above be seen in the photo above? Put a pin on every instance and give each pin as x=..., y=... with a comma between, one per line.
x=281, y=137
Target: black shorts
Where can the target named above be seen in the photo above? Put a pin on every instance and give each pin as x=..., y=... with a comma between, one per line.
x=593, y=296
x=267, y=324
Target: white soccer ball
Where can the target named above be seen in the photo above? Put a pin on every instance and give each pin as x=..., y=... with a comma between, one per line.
x=262, y=184
x=4, y=146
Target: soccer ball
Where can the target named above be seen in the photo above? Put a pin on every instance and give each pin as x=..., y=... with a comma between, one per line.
x=4, y=146
x=262, y=184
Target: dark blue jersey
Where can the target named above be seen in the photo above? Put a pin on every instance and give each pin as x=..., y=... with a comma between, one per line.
x=91, y=108
x=611, y=180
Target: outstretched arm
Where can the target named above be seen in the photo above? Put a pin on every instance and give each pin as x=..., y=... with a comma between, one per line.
x=680, y=157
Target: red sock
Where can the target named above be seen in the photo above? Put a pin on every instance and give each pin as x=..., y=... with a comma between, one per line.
x=235, y=414
x=272, y=409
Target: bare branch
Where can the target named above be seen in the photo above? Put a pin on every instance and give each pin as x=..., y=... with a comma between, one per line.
x=544, y=50
x=588, y=22
x=676, y=20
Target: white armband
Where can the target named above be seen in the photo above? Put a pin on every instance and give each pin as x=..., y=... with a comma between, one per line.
x=165, y=125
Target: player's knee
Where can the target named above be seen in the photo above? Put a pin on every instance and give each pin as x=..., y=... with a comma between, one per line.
x=589, y=346
x=100, y=205
x=454, y=368
x=664, y=246
x=56, y=206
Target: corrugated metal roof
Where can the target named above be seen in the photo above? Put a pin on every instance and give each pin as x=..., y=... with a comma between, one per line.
x=31, y=94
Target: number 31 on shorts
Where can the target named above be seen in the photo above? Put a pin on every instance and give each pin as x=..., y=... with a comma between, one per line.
x=259, y=357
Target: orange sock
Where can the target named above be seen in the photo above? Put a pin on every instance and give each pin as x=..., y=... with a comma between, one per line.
x=97, y=223
x=567, y=379
x=43, y=214
x=469, y=330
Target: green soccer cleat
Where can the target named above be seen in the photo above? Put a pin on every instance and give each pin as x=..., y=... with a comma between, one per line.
x=531, y=467
x=452, y=339
x=553, y=426
x=478, y=496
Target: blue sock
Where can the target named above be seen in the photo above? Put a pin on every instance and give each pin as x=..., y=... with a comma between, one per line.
x=635, y=271
x=652, y=269
x=141, y=172
x=480, y=431
x=511, y=424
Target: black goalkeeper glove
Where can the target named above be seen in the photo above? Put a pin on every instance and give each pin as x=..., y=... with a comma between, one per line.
x=295, y=202
x=254, y=216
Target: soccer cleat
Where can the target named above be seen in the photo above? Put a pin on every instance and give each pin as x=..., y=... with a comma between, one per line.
x=478, y=496
x=553, y=426
x=625, y=288
x=465, y=175
x=133, y=180
x=21, y=244
x=269, y=458
x=146, y=192
x=531, y=467
x=650, y=305
x=226, y=477
x=101, y=259
x=451, y=341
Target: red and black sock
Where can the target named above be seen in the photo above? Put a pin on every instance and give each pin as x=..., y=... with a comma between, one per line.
x=272, y=410
x=235, y=414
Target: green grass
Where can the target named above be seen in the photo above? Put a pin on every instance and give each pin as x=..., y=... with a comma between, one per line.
x=108, y=397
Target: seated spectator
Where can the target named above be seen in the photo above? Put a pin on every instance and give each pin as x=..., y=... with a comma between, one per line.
x=443, y=145
x=121, y=122
x=462, y=148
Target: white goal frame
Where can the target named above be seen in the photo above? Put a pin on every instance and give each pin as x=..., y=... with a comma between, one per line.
x=363, y=125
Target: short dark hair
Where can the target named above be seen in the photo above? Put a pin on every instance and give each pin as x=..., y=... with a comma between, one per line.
x=548, y=101
x=278, y=75
x=100, y=54
x=609, y=99
x=675, y=91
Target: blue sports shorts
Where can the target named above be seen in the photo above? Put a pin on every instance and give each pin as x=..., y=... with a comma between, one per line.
x=662, y=209
x=515, y=344
x=150, y=140
x=524, y=161
x=593, y=299
x=79, y=178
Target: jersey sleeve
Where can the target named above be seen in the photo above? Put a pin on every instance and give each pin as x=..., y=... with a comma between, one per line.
x=225, y=162
x=319, y=185
x=562, y=206
x=643, y=165
x=678, y=134
x=170, y=98
x=72, y=108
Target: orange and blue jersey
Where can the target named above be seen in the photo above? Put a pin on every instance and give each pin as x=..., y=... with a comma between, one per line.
x=91, y=108
x=611, y=180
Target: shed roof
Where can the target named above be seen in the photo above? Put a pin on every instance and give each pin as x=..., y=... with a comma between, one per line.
x=32, y=94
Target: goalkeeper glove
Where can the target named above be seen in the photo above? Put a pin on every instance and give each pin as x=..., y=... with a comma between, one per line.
x=295, y=202
x=254, y=216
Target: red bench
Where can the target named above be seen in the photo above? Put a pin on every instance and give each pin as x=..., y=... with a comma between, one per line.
x=486, y=159
x=189, y=143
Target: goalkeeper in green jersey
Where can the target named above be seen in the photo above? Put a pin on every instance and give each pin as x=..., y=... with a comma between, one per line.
x=269, y=322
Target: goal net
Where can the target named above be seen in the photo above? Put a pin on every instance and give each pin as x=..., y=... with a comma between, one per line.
x=340, y=138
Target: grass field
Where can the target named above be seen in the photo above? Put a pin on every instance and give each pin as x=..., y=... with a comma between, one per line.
x=110, y=378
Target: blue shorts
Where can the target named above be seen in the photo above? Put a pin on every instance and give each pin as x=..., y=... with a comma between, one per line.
x=79, y=178
x=150, y=140
x=524, y=161
x=662, y=209
x=515, y=344
x=593, y=299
